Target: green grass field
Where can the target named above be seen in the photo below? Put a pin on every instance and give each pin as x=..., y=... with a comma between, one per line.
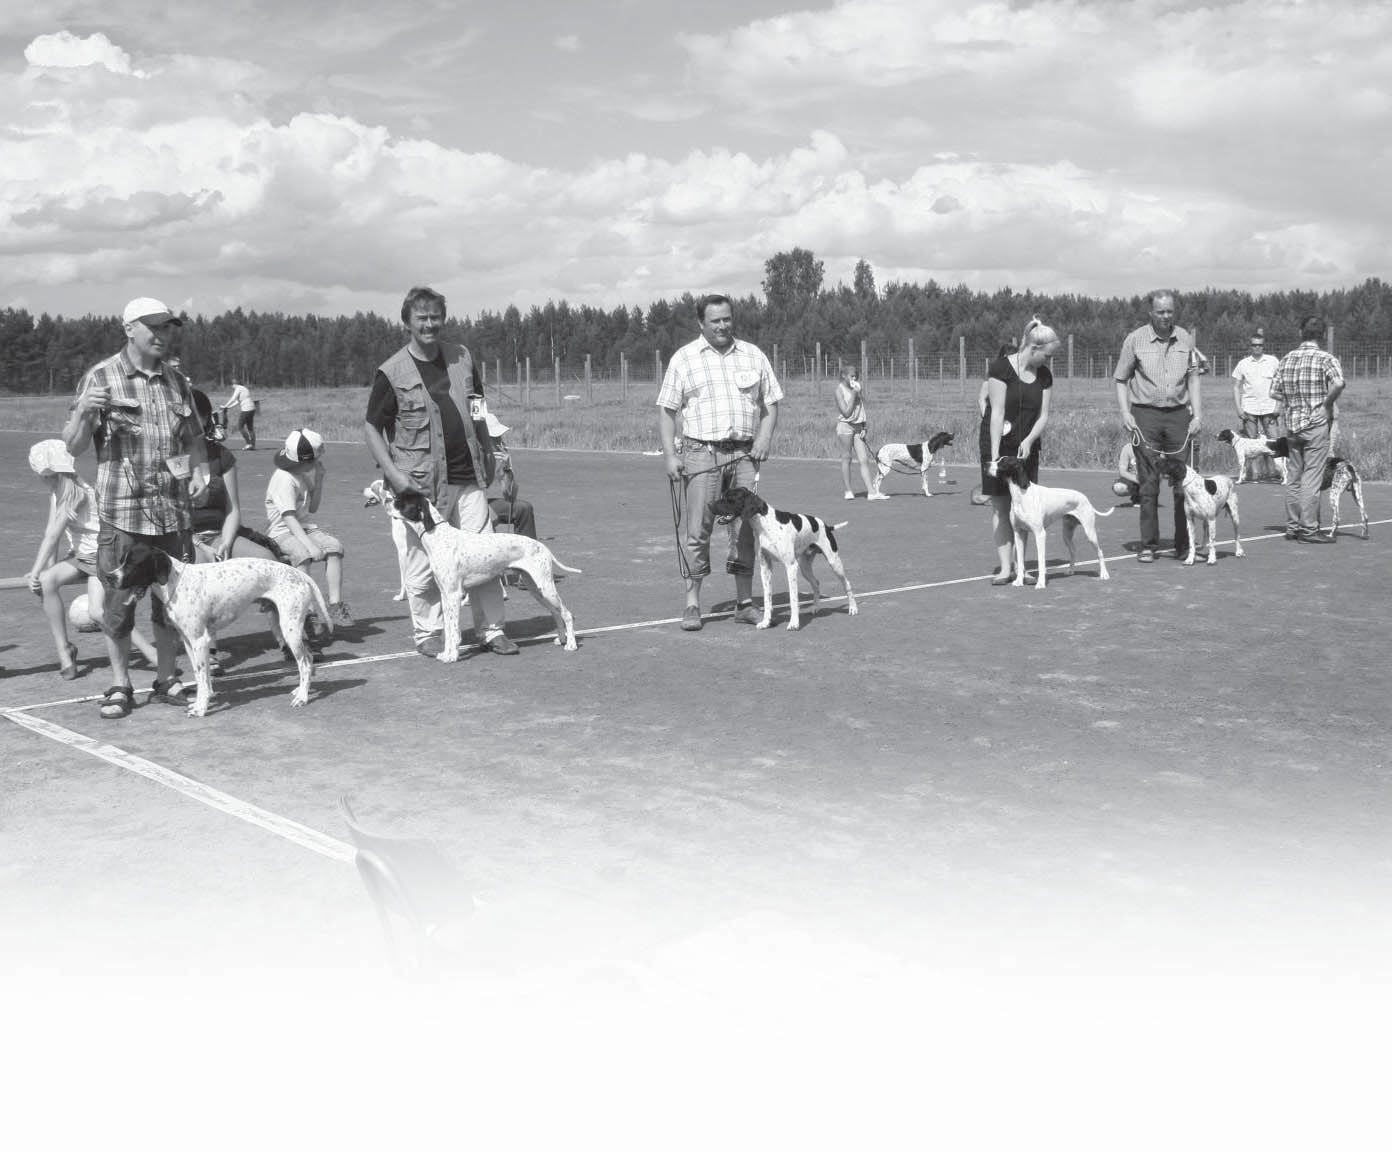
x=1084, y=428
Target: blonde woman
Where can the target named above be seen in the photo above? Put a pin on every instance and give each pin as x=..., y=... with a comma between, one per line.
x=72, y=519
x=1017, y=411
x=850, y=433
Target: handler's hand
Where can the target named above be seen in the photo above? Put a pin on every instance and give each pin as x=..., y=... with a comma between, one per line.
x=1194, y=426
x=760, y=451
x=991, y=467
x=400, y=482
x=676, y=467
x=1128, y=421
x=33, y=581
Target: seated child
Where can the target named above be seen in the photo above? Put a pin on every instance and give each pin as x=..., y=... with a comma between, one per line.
x=1126, y=483
x=292, y=496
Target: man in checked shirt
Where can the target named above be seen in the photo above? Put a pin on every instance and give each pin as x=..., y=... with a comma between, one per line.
x=727, y=394
x=1306, y=384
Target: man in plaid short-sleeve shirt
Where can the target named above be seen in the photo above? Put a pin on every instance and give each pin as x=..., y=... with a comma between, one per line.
x=138, y=412
x=727, y=395
x=1306, y=384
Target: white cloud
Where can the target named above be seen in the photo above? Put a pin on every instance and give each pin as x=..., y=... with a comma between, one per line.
x=64, y=50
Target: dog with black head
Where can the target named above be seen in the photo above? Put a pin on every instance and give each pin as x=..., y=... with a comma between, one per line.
x=791, y=538
x=461, y=560
x=1033, y=508
x=202, y=599
x=1204, y=498
x=907, y=457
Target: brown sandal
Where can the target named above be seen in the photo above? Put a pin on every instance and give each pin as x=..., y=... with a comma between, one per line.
x=117, y=702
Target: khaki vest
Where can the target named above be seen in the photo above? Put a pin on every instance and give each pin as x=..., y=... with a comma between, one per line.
x=418, y=444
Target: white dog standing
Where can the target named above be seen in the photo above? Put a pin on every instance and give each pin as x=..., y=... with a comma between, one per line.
x=1204, y=498
x=1034, y=507
x=376, y=494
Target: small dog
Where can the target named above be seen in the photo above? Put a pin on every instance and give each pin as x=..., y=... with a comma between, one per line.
x=1340, y=476
x=201, y=599
x=794, y=541
x=462, y=560
x=891, y=456
x=1034, y=507
x=1204, y=498
x=376, y=494
x=1249, y=450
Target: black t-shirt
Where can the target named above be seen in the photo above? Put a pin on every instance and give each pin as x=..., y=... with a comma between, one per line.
x=381, y=414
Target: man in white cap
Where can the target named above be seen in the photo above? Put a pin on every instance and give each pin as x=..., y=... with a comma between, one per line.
x=138, y=412
x=426, y=428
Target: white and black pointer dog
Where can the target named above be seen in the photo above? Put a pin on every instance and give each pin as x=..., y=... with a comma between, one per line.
x=1249, y=449
x=1033, y=507
x=1204, y=498
x=202, y=599
x=905, y=457
x=462, y=560
x=1340, y=476
x=376, y=494
x=791, y=538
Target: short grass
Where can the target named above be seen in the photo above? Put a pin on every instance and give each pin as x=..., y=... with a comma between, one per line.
x=1084, y=428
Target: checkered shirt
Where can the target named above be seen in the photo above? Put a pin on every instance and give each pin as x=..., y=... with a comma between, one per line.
x=1302, y=381
x=719, y=393
x=1155, y=368
x=136, y=492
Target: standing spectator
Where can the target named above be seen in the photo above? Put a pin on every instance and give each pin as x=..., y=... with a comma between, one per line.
x=426, y=428
x=1157, y=387
x=1307, y=383
x=1256, y=410
x=241, y=399
x=727, y=396
x=1018, y=387
x=140, y=416
x=851, y=432
x=292, y=496
x=72, y=511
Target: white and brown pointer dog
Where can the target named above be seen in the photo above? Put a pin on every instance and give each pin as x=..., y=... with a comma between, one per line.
x=461, y=560
x=1034, y=507
x=1340, y=476
x=202, y=599
x=791, y=538
x=1204, y=498
x=906, y=457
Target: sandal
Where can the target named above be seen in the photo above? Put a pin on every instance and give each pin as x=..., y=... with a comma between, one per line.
x=168, y=691
x=117, y=702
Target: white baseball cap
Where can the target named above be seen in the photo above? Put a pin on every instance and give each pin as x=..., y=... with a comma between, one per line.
x=301, y=446
x=150, y=310
x=51, y=456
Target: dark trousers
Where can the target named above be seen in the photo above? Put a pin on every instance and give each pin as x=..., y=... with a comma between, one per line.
x=247, y=427
x=1163, y=430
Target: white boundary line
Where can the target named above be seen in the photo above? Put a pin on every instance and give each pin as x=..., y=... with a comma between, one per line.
x=280, y=825
x=318, y=841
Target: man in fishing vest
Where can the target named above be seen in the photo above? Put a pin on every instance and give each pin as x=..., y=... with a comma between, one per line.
x=427, y=429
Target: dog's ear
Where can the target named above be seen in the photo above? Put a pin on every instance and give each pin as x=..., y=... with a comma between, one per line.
x=161, y=564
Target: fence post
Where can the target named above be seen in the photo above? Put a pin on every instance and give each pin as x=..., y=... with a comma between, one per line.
x=962, y=359
x=657, y=367
x=817, y=363
x=589, y=380
x=864, y=363
x=623, y=375
x=556, y=368
x=1070, y=356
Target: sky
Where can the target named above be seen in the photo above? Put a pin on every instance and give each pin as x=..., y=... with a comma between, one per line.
x=322, y=156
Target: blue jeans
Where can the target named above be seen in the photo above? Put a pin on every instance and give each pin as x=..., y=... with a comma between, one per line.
x=1309, y=451
x=715, y=473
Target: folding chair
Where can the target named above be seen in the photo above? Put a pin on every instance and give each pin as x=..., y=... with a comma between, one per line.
x=415, y=882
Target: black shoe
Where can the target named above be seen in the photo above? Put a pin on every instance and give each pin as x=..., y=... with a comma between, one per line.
x=431, y=646
x=502, y=645
x=1314, y=538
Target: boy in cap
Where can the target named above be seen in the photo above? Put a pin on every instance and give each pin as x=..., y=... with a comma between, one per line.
x=292, y=495
x=137, y=410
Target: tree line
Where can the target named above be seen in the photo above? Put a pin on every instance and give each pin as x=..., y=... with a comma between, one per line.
x=797, y=312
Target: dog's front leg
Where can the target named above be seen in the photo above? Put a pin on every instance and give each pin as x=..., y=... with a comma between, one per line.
x=923, y=476
x=196, y=649
x=794, y=597
x=450, y=593
x=1019, y=581
x=1040, y=535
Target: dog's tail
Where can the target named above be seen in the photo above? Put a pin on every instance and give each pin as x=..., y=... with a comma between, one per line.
x=564, y=567
x=321, y=607
x=838, y=527
x=1110, y=510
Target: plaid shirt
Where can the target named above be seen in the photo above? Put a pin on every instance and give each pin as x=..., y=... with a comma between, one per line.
x=1302, y=381
x=1155, y=369
x=148, y=419
x=718, y=393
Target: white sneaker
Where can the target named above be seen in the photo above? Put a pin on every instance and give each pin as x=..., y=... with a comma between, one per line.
x=877, y=496
x=849, y=496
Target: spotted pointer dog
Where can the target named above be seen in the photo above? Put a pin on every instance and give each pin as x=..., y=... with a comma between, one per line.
x=791, y=538
x=1204, y=498
x=201, y=599
x=1033, y=507
x=905, y=456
